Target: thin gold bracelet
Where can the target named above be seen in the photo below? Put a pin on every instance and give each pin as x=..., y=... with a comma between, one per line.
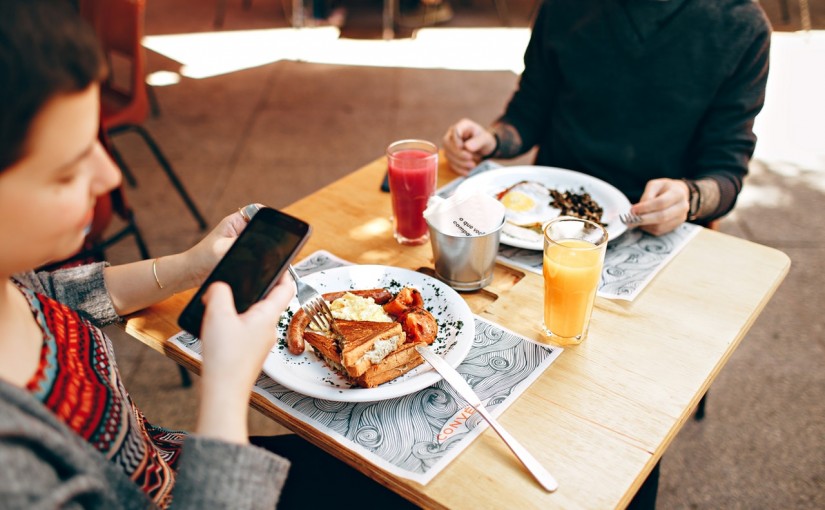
x=155, y=272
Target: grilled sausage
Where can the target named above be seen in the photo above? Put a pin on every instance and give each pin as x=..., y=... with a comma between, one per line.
x=300, y=321
x=295, y=332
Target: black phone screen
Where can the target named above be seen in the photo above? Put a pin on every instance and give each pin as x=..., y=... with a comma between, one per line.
x=252, y=264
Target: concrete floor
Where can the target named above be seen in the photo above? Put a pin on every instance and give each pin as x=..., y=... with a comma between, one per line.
x=277, y=131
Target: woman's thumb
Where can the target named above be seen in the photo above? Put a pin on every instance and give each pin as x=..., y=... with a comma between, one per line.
x=218, y=300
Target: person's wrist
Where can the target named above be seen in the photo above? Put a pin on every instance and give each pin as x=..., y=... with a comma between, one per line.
x=694, y=199
x=497, y=142
x=189, y=265
x=223, y=418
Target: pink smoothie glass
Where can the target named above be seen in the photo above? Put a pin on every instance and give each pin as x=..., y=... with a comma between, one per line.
x=412, y=167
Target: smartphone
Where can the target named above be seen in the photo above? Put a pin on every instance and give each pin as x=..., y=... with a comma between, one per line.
x=385, y=184
x=253, y=263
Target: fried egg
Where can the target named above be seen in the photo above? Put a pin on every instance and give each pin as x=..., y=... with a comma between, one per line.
x=527, y=204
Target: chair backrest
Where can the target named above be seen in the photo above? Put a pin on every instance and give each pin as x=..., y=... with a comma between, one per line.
x=119, y=25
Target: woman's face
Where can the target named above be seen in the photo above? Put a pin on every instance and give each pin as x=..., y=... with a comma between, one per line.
x=47, y=198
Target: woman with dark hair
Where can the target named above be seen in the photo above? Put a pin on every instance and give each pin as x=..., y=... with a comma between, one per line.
x=70, y=435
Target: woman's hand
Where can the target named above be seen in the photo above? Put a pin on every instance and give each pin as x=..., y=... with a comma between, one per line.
x=234, y=349
x=465, y=144
x=202, y=258
x=664, y=205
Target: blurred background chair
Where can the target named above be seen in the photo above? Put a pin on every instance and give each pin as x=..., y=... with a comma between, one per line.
x=125, y=103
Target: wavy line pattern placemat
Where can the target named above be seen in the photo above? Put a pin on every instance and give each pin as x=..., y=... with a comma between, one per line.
x=417, y=435
x=631, y=261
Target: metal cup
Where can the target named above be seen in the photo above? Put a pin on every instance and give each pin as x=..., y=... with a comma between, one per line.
x=465, y=262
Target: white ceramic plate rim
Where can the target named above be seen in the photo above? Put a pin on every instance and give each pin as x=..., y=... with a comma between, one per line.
x=613, y=201
x=308, y=375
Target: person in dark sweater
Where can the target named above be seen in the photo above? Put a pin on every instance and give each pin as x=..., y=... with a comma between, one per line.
x=656, y=97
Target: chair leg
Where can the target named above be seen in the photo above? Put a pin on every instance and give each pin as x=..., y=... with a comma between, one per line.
x=164, y=163
x=154, y=105
x=503, y=12
x=124, y=168
x=185, y=378
x=144, y=252
x=699, y=414
x=220, y=13
x=785, y=11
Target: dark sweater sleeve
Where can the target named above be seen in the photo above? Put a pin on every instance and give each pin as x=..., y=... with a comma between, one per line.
x=528, y=109
x=216, y=474
x=724, y=142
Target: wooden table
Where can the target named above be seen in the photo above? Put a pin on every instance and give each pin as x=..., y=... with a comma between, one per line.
x=604, y=413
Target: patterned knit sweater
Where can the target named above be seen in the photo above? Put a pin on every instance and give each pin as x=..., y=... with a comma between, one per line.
x=79, y=383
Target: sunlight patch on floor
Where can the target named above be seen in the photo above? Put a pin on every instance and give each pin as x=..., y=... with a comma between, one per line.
x=204, y=55
x=754, y=195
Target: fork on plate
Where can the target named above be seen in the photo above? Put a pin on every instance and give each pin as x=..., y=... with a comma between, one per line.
x=630, y=219
x=312, y=303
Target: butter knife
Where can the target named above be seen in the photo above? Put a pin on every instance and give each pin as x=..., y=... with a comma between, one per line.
x=466, y=392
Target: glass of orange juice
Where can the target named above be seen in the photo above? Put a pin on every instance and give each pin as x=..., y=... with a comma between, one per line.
x=573, y=257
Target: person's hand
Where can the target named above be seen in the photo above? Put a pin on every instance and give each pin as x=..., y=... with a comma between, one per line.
x=202, y=258
x=664, y=205
x=465, y=144
x=234, y=349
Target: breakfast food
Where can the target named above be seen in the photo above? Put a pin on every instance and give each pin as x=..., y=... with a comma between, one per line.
x=579, y=205
x=373, y=334
x=366, y=343
x=527, y=204
x=530, y=204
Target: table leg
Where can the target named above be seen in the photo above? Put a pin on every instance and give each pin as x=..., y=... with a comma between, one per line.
x=297, y=13
x=390, y=8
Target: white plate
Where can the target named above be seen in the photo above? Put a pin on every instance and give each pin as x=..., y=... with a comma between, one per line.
x=492, y=182
x=308, y=375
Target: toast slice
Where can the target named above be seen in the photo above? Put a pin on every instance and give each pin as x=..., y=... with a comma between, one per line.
x=396, y=364
x=326, y=347
x=365, y=343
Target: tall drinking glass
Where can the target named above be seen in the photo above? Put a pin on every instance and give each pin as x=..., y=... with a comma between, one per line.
x=412, y=167
x=573, y=258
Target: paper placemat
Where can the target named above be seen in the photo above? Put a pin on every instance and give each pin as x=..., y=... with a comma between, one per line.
x=417, y=435
x=631, y=261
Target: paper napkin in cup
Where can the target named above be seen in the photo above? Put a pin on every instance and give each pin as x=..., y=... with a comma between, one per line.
x=469, y=214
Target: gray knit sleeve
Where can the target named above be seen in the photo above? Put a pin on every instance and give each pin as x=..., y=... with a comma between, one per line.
x=217, y=474
x=81, y=288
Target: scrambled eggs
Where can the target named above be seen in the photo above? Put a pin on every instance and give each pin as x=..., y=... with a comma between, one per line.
x=357, y=308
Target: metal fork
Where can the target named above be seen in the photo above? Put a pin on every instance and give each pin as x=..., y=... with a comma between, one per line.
x=630, y=219
x=312, y=303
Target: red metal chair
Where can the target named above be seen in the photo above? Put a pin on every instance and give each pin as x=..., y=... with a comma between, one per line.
x=125, y=103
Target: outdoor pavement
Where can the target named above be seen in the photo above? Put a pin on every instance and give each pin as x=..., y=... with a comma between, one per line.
x=239, y=130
